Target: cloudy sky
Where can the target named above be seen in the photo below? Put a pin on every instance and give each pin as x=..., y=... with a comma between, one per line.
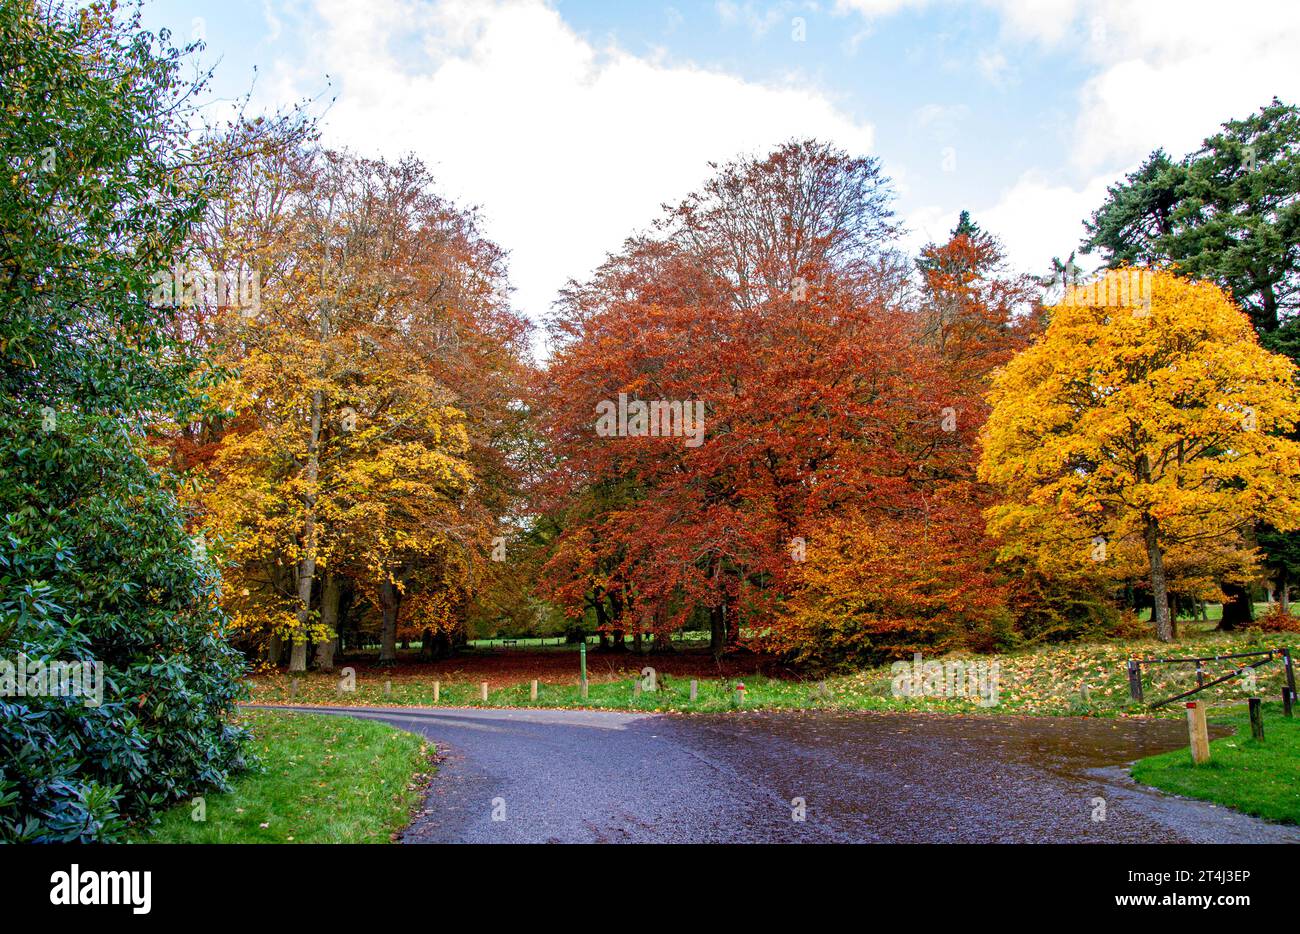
x=569, y=122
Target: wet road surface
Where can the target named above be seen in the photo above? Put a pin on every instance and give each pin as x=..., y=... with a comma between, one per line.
x=596, y=776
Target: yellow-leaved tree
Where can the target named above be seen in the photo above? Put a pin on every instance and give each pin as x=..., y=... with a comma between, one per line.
x=371, y=398
x=1147, y=419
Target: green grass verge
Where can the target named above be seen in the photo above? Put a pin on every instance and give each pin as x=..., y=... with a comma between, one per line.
x=1257, y=777
x=320, y=779
x=1047, y=681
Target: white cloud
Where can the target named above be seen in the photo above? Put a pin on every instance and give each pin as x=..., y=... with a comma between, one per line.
x=1166, y=72
x=757, y=19
x=1170, y=73
x=925, y=225
x=994, y=68
x=1037, y=220
x=1163, y=73
x=567, y=148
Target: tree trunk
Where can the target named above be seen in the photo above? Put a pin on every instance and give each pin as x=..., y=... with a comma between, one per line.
x=274, y=649
x=307, y=567
x=602, y=621
x=1266, y=319
x=389, y=598
x=1238, y=611
x=717, y=629
x=1284, y=588
x=331, y=592
x=1159, y=590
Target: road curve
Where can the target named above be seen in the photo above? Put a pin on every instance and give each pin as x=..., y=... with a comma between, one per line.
x=529, y=775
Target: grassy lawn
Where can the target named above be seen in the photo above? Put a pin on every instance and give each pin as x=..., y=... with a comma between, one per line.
x=322, y=779
x=1260, y=778
x=1044, y=681
x=559, y=642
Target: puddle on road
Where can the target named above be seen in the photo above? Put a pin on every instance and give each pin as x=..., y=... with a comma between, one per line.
x=1060, y=744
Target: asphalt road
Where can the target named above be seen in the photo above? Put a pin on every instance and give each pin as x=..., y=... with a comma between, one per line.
x=521, y=776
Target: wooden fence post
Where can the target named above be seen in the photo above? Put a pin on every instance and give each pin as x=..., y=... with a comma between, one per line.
x=483, y=690
x=532, y=695
x=1135, y=680
x=1288, y=698
x=1200, y=736
x=437, y=686
x=695, y=690
x=1256, y=719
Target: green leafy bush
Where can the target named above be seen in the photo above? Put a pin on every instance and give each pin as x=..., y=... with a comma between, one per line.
x=99, y=190
x=95, y=564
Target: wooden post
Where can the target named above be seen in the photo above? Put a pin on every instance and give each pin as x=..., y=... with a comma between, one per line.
x=1083, y=693
x=1290, y=671
x=388, y=689
x=1198, y=732
x=532, y=695
x=483, y=690
x=1135, y=681
x=636, y=689
x=695, y=690
x=584, y=688
x=1200, y=674
x=1256, y=719
x=437, y=686
x=1287, y=700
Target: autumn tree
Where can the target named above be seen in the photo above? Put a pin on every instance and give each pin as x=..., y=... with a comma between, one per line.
x=1156, y=421
x=764, y=302
x=375, y=392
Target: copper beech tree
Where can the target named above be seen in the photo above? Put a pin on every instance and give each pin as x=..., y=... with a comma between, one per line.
x=772, y=298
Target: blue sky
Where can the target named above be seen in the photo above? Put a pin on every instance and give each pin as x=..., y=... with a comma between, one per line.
x=569, y=122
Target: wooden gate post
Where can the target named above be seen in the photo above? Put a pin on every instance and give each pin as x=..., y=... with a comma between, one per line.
x=1135, y=680
x=1197, y=731
x=1256, y=719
